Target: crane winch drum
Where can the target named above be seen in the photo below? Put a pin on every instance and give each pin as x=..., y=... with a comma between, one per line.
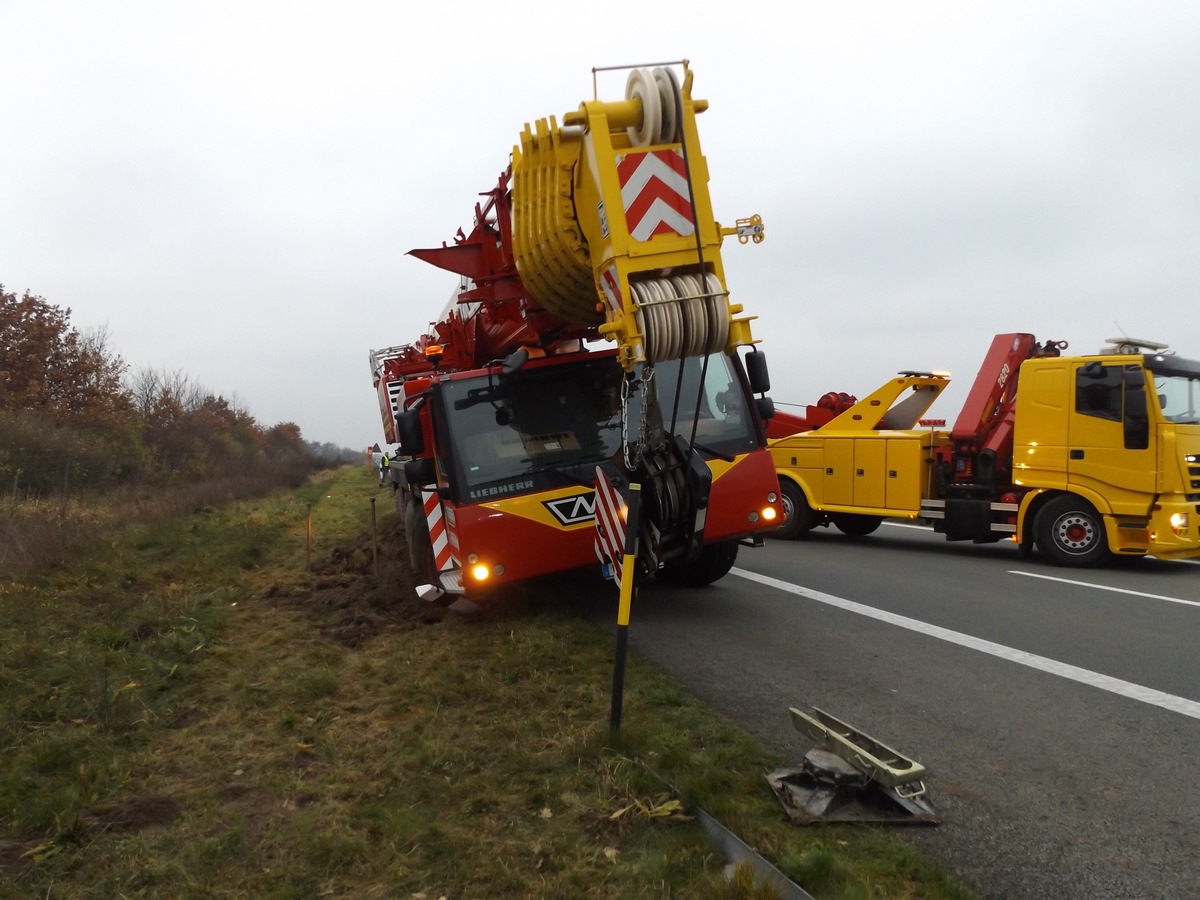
x=614, y=203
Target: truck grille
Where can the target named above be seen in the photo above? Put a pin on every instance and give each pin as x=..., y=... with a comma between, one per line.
x=1192, y=463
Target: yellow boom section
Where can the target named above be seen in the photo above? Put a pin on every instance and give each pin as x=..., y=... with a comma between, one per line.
x=613, y=224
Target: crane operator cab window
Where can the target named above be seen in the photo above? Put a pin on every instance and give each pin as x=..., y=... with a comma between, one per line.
x=547, y=426
x=1116, y=393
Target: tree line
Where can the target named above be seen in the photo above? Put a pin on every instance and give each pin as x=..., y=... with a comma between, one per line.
x=73, y=415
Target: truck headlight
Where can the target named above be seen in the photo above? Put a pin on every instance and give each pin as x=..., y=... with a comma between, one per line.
x=1179, y=524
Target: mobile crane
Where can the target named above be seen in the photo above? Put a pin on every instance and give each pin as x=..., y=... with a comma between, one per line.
x=1088, y=458
x=512, y=408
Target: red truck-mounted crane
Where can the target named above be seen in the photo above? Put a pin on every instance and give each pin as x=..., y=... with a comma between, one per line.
x=590, y=339
x=1085, y=457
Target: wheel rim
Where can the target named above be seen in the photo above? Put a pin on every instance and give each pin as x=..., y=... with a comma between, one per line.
x=1075, y=533
x=789, y=509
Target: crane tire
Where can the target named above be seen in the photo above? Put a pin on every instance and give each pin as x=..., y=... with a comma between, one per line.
x=420, y=547
x=715, y=561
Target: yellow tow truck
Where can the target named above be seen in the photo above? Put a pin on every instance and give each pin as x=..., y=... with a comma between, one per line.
x=1088, y=458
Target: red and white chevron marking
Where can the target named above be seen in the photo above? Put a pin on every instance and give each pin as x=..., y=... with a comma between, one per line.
x=654, y=193
x=439, y=534
x=612, y=288
x=610, y=525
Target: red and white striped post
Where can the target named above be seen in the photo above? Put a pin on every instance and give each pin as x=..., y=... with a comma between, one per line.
x=617, y=541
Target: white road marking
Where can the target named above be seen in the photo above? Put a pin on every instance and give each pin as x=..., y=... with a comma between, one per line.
x=1138, y=692
x=1105, y=587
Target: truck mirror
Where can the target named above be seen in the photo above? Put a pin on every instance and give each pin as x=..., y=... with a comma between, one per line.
x=408, y=429
x=1135, y=377
x=1093, y=370
x=756, y=371
x=765, y=407
x=420, y=472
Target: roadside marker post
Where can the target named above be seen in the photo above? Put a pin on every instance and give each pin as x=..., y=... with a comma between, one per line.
x=308, y=542
x=374, y=541
x=628, y=567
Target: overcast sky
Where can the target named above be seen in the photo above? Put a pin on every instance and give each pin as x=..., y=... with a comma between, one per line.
x=231, y=188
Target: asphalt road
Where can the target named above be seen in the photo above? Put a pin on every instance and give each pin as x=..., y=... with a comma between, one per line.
x=1057, y=710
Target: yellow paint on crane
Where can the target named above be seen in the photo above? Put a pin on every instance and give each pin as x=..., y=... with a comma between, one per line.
x=613, y=223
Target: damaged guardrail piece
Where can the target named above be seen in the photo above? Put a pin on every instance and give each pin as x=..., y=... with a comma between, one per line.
x=850, y=776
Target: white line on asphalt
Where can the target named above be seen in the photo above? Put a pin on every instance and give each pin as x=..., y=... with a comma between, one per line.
x=1104, y=587
x=1181, y=705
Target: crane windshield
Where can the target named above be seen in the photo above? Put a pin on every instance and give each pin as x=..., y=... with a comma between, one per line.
x=549, y=425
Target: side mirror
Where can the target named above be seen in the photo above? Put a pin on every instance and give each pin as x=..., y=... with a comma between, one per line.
x=420, y=472
x=408, y=429
x=1134, y=377
x=765, y=407
x=756, y=371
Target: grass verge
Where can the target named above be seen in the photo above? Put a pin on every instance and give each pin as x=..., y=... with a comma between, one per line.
x=195, y=712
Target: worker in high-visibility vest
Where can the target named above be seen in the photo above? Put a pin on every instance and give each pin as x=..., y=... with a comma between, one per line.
x=384, y=465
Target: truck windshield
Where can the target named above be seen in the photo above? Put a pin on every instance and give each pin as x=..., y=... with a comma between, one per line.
x=549, y=425
x=1179, y=396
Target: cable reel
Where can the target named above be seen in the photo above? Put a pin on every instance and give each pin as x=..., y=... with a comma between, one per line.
x=679, y=317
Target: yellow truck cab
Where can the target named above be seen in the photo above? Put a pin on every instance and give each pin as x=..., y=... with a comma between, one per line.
x=1091, y=457
x=1108, y=450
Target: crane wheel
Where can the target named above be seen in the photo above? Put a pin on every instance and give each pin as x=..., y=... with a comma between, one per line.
x=420, y=547
x=715, y=561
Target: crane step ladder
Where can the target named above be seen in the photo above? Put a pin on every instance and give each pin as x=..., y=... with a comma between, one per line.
x=850, y=776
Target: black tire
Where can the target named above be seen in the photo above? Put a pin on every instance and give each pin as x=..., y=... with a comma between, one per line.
x=854, y=524
x=1071, y=533
x=714, y=563
x=798, y=517
x=420, y=547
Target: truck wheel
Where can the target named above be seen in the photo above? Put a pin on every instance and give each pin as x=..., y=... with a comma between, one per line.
x=798, y=516
x=420, y=548
x=1071, y=533
x=854, y=524
x=714, y=563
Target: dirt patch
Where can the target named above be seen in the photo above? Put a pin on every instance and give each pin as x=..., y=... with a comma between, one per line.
x=134, y=814
x=16, y=855
x=363, y=589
